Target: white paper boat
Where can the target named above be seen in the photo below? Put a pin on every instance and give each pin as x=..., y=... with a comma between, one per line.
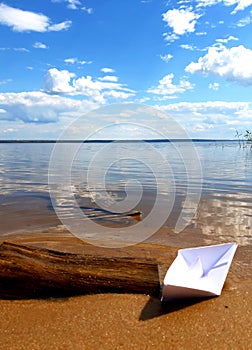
x=198, y=272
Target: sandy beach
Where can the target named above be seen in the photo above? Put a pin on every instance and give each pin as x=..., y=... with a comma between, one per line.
x=129, y=321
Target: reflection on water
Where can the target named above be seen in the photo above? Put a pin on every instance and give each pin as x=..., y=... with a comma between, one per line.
x=224, y=212
x=23, y=167
x=226, y=217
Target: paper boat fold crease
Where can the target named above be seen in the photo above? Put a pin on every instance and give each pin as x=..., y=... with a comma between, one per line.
x=198, y=272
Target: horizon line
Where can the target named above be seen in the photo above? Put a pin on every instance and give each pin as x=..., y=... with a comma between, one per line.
x=117, y=140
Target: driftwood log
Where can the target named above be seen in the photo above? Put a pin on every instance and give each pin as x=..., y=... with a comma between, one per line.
x=29, y=272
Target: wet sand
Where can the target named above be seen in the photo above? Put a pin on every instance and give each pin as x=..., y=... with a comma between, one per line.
x=129, y=321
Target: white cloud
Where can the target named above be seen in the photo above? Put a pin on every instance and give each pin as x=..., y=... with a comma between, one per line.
x=39, y=45
x=187, y=47
x=166, y=58
x=18, y=49
x=5, y=81
x=191, y=47
x=244, y=21
x=167, y=87
x=9, y=130
x=63, y=82
x=89, y=10
x=182, y=21
x=208, y=109
x=75, y=5
x=226, y=40
x=97, y=90
x=210, y=119
x=58, y=81
x=20, y=20
x=201, y=33
x=75, y=60
x=117, y=94
x=107, y=70
x=71, y=60
x=206, y=3
x=170, y=37
x=59, y=26
x=109, y=78
x=88, y=87
x=234, y=64
x=214, y=86
x=240, y=4
x=39, y=107
x=32, y=113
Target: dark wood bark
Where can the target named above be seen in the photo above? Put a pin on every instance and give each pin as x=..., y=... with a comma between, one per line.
x=29, y=272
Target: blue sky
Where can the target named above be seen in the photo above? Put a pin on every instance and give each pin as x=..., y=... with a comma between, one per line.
x=61, y=59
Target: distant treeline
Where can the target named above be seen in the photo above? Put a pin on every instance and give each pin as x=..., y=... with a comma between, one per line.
x=107, y=141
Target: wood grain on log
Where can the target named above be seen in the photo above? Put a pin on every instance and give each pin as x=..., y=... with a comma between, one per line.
x=28, y=272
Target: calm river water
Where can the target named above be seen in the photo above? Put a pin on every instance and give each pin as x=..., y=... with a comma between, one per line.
x=214, y=177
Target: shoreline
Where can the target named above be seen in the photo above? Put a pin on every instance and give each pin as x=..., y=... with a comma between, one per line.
x=128, y=321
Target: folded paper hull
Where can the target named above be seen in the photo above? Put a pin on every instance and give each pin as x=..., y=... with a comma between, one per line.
x=177, y=292
x=198, y=272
